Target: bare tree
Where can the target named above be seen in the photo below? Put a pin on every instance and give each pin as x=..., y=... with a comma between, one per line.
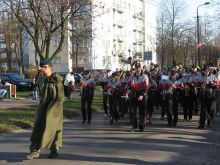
x=47, y=20
x=169, y=28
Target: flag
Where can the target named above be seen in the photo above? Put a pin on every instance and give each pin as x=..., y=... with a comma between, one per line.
x=200, y=46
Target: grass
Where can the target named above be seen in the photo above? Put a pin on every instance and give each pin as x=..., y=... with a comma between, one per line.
x=17, y=118
x=24, y=94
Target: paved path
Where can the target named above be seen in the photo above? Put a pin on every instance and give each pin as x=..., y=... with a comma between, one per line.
x=10, y=103
x=104, y=144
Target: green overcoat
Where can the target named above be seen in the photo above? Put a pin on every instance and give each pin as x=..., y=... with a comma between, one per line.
x=49, y=115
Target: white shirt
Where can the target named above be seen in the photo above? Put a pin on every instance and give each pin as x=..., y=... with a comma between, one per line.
x=69, y=77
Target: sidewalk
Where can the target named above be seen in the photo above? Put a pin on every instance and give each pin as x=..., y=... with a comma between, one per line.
x=16, y=102
x=103, y=144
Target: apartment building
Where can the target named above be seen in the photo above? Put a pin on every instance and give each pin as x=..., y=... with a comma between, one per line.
x=127, y=29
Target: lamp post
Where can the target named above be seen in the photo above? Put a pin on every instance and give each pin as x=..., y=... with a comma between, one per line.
x=198, y=32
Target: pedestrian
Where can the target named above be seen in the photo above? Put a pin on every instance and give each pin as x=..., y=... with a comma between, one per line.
x=3, y=92
x=69, y=84
x=34, y=89
x=87, y=85
x=47, y=131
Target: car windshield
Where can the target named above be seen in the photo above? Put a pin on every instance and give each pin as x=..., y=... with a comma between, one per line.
x=16, y=76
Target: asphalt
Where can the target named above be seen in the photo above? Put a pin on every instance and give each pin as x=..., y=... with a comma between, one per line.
x=103, y=144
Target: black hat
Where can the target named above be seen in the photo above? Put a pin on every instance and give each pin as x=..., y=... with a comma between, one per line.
x=85, y=72
x=137, y=65
x=114, y=74
x=173, y=72
x=206, y=68
x=45, y=62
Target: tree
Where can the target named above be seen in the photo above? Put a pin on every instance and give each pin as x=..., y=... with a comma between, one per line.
x=169, y=28
x=46, y=21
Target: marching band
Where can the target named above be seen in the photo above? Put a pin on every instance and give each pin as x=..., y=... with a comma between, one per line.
x=138, y=91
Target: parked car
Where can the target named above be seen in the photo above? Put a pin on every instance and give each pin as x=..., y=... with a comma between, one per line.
x=19, y=81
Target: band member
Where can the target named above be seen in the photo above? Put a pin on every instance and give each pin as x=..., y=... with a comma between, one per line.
x=208, y=84
x=195, y=75
x=171, y=92
x=125, y=91
x=152, y=96
x=139, y=86
x=87, y=85
x=114, y=97
x=104, y=83
x=188, y=95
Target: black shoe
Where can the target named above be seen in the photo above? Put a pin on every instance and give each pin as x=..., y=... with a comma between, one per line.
x=141, y=130
x=83, y=122
x=53, y=154
x=200, y=127
x=89, y=122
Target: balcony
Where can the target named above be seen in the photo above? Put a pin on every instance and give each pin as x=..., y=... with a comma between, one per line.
x=118, y=7
x=119, y=23
x=135, y=42
x=140, y=29
x=138, y=15
x=120, y=38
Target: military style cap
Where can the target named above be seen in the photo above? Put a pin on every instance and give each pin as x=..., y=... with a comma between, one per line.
x=45, y=62
x=114, y=74
x=85, y=72
x=137, y=65
x=173, y=72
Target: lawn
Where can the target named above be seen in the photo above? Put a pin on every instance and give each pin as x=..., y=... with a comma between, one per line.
x=23, y=117
x=23, y=94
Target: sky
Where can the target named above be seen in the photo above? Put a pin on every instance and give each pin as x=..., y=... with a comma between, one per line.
x=203, y=10
x=191, y=8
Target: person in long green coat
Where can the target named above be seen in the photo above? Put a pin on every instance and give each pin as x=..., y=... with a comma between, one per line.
x=47, y=131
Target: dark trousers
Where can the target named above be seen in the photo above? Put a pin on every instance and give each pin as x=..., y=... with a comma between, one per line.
x=170, y=106
x=150, y=107
x=123, y=106
x=66, y=91
x=114, y=107
x=206, y=112
x=105, y=103
x=187, y=107
x=86, y=105
x=138, y=105
x=195, y=103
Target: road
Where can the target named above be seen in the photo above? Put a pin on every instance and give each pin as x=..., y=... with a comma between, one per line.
x=104, y=144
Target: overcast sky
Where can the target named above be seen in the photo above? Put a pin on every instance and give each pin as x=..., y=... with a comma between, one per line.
x=203, y=10
x=191, y=7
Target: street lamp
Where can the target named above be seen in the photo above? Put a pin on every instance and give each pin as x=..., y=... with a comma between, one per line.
x=198, y=32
